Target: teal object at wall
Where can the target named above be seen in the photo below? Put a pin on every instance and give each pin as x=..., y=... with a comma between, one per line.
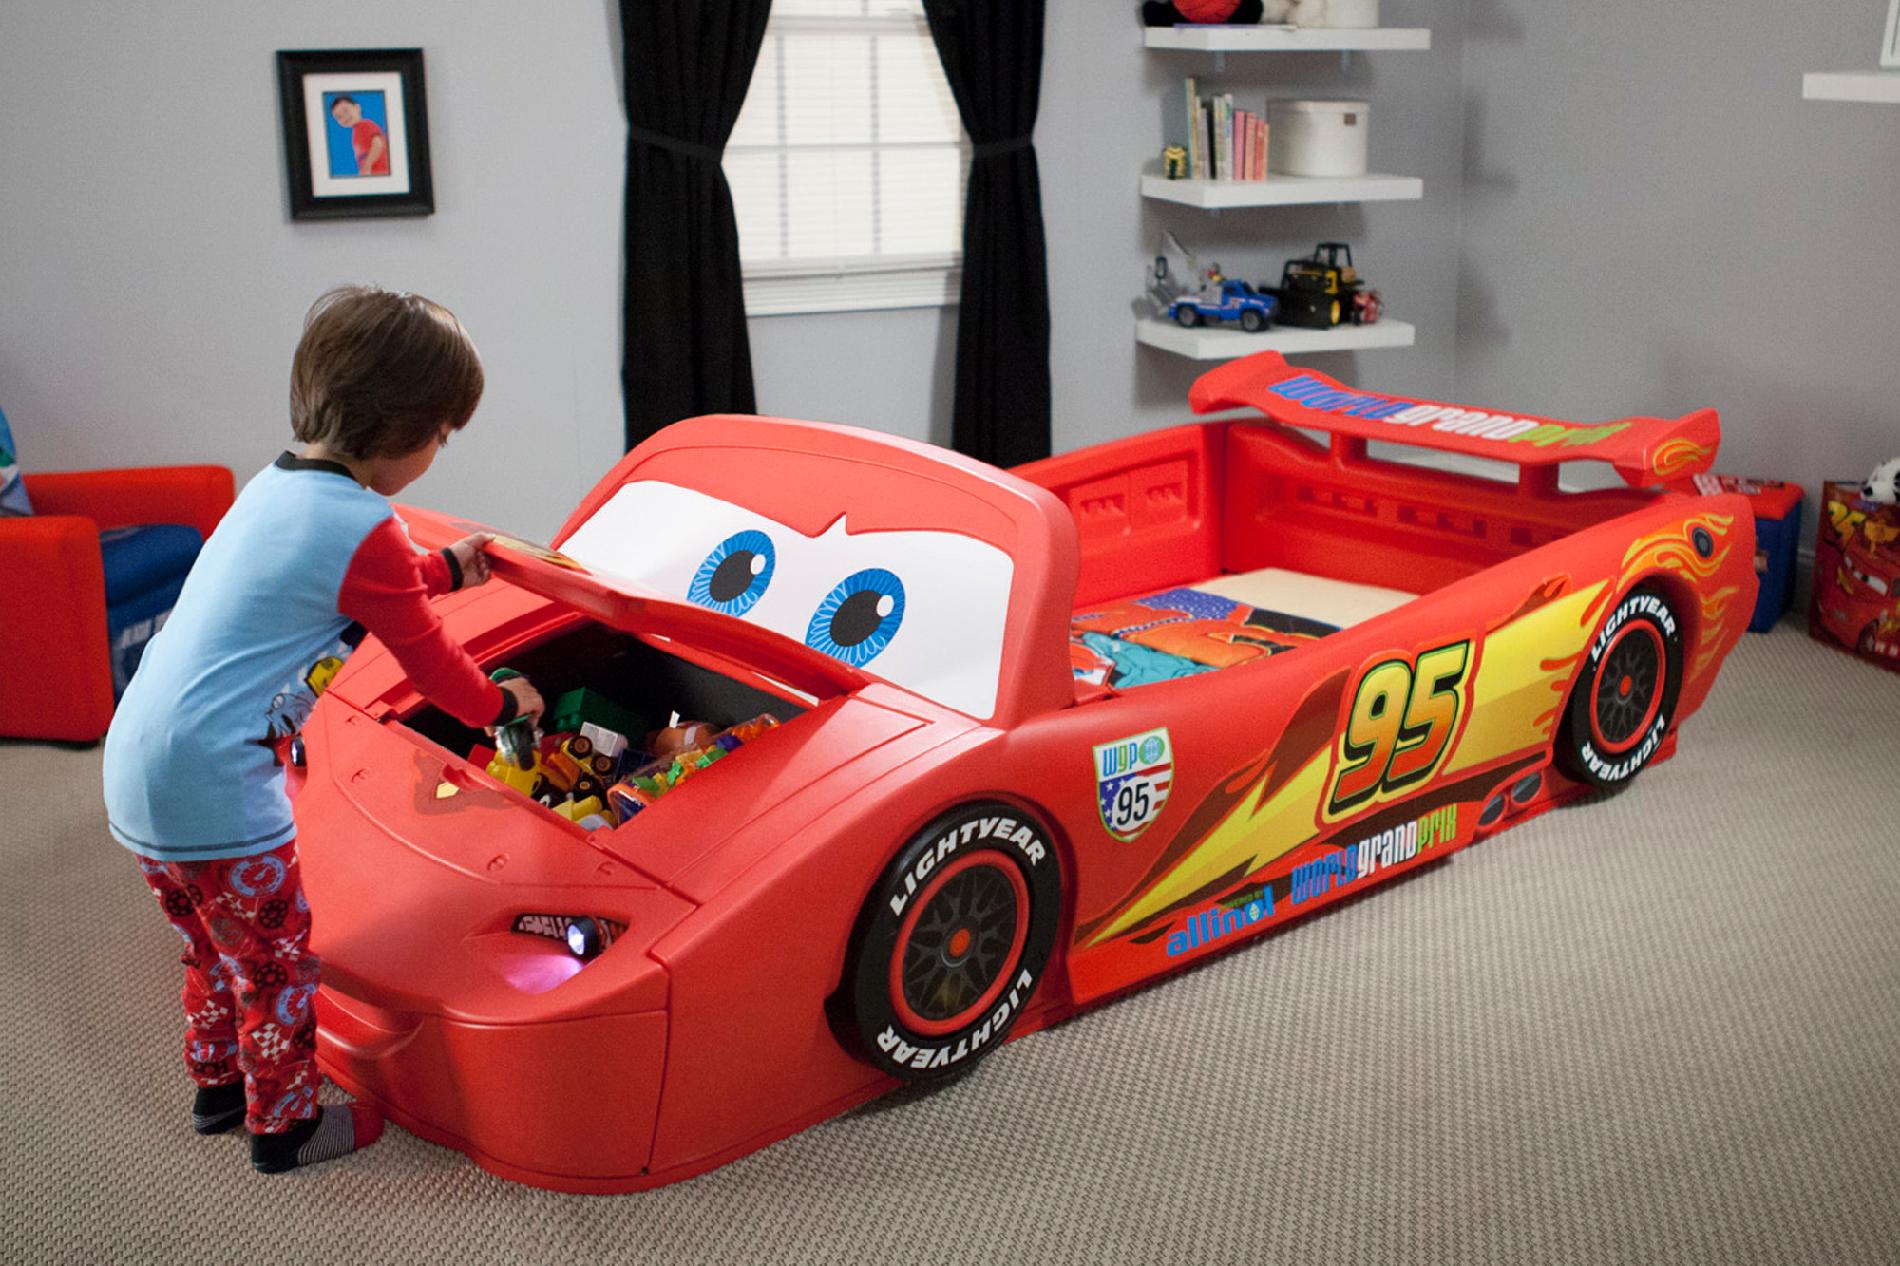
x=12, y=487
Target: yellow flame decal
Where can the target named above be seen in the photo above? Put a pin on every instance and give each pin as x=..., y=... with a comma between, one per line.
x=1714, y=626
x=1672, y=548
x=1515, y=698
x=1251, y=835
x=1679, y=454
x=1522, y=675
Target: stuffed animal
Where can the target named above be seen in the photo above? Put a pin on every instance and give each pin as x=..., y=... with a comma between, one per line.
x=1883, y=486
x=1205, y=12
x=1234, y=12
x=1295, y=12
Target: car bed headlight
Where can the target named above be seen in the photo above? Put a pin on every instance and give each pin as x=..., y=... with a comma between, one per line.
x=585, y=935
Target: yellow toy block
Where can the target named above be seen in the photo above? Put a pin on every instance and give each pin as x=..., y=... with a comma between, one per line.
x=575, y=810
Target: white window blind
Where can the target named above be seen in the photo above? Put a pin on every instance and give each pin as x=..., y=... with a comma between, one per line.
x=848, y=162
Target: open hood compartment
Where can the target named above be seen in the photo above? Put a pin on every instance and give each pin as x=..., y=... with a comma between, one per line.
x=622, y=606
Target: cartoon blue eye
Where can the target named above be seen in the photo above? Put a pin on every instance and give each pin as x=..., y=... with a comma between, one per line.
x=859, y=617
x=735, y=575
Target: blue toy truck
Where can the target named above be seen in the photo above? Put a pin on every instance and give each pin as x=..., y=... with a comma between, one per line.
x=1225, y=300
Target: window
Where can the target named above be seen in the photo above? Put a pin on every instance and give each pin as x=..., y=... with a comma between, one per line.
x=848, y=161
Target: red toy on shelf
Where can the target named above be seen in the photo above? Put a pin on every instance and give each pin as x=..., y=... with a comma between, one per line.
x=1041, y=736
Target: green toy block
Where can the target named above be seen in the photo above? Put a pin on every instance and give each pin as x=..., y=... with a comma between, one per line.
x=583, y=706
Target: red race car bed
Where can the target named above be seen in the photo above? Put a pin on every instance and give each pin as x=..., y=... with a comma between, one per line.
x=994, y=746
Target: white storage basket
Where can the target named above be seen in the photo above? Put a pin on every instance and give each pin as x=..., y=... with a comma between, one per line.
x=1352, y=14
x=1318, y=138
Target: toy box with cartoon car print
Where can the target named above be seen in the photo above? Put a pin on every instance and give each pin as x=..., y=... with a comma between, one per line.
x=1856, y=602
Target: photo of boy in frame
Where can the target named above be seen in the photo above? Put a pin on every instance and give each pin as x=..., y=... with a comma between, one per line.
x=358, y=134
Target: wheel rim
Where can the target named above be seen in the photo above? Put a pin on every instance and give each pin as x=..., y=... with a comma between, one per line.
x=959, y=945
x=1628, y=690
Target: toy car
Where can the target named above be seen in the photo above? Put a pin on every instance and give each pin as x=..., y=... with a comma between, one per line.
x=1043, y=736
x=1856, y=601
x=1225, y=299
x=1319, y=291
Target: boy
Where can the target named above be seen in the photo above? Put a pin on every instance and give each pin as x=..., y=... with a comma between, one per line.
x=371, y=146
x=309, y=557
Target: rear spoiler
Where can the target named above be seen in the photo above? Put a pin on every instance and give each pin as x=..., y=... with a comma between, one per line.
x=1644, y=451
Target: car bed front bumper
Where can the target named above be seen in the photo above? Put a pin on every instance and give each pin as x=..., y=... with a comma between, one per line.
x=544, y=1068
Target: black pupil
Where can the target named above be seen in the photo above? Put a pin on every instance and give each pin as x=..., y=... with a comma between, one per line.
x=733, y=576
x=856, y=618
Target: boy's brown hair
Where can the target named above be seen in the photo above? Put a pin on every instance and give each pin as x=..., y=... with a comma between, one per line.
x=377, y=373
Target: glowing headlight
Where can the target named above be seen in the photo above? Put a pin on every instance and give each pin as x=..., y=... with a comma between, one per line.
x=584, y=935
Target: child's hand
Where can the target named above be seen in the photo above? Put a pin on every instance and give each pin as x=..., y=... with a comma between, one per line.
x=470, y=552
x=528, y=703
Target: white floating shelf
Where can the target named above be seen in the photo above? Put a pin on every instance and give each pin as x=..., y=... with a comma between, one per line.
x=1286, y=39
x=1228, y=341
x=1282, y=191
x=1851, y=85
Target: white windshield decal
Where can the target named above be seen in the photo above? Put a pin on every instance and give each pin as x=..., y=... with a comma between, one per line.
x=925, y=610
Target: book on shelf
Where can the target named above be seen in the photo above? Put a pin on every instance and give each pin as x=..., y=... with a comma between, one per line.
x=1222, y=141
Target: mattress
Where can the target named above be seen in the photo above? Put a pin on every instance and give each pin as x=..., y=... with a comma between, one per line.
x=1215, y=623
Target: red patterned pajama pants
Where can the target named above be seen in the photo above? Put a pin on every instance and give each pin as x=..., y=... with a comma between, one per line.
x=250, y=979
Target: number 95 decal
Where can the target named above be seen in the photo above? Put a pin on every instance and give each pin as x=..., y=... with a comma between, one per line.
x=1132, y=780
x=1399, y=727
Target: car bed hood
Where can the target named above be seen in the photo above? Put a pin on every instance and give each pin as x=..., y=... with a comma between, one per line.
x=428, y=800
x=624, y=606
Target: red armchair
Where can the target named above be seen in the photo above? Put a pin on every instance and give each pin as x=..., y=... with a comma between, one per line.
x=55, y=666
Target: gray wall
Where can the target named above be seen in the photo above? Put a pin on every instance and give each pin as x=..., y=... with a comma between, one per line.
x=1101, y=122
x=892, y=371
x=1627, y=208
x=152, y=285
x=1654, y=220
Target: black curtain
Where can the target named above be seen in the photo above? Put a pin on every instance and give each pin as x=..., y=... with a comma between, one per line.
x=688, y=63
x=992, y=55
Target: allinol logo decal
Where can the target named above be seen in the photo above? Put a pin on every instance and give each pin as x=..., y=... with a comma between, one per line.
x=1221, y=920
x=1132, y=778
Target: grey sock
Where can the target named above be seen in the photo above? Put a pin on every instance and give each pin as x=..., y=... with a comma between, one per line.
x=337, y=1131
x=335, y=1136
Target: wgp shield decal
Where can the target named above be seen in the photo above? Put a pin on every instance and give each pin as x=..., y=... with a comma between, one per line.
x=1132, y=778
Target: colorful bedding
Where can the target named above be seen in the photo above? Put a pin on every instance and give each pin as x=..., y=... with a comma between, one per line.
x=1177, y=633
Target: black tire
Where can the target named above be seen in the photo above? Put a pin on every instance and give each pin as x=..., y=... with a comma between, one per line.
x=1625, y=699
x=1253, y=320
x=1187, y=318
x=951, y=943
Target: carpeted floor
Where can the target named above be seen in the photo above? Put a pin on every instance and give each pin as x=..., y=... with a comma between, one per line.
x=1660, y=1028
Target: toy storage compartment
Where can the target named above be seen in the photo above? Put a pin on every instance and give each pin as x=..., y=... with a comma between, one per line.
x=647, y=682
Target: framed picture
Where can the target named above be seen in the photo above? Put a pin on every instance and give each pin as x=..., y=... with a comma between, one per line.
x=1890, y=47
x=356, y=132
